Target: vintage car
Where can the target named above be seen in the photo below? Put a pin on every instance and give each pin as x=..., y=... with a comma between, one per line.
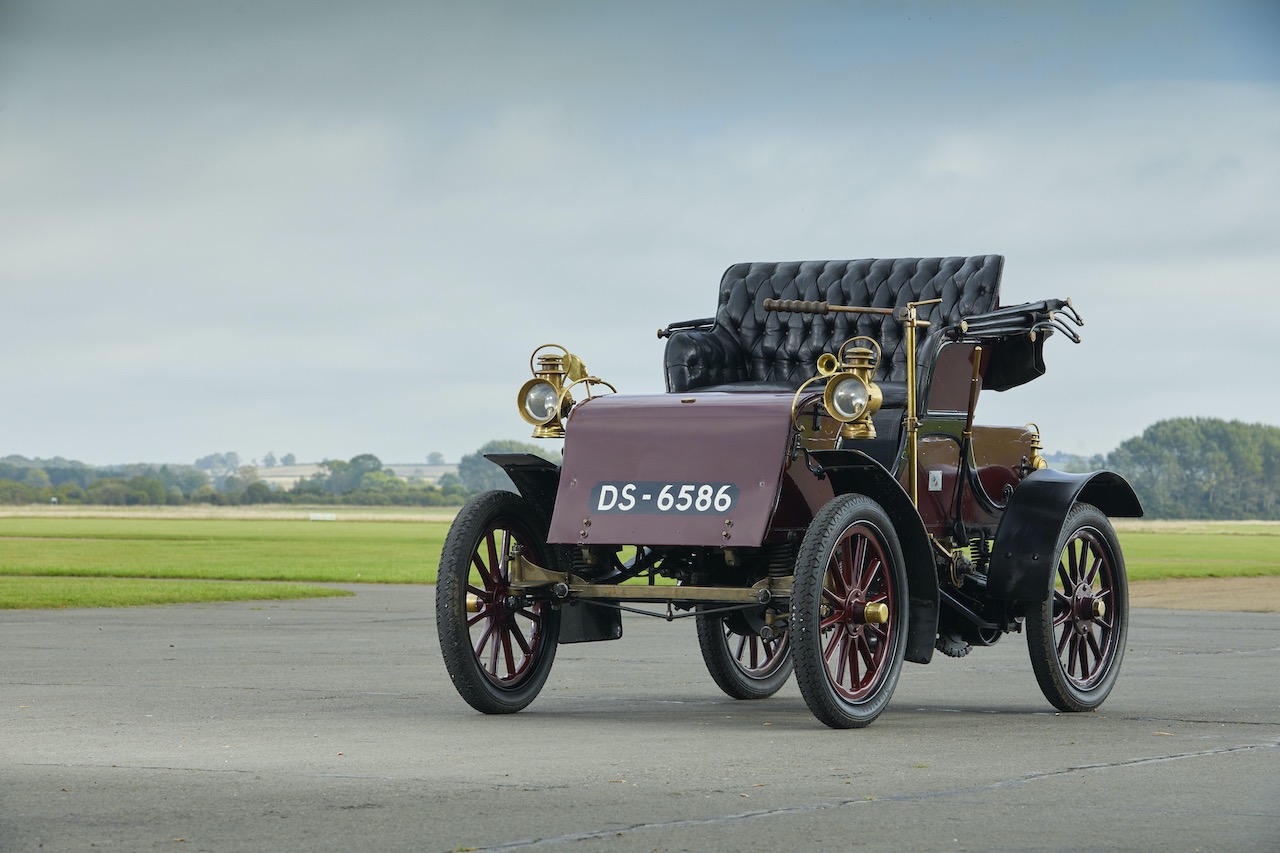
x=811, y=488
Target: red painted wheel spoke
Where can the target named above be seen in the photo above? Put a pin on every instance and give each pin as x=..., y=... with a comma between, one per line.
x=1063, y=577
x=838, y=573
x=486, y=637
x=474, y=619
x=1083, y=650
x=870, y=577
x=1093, y=645
x=508, y=653
x=1073, y=648
x=1091, y=576
x=880, y=632
x=847, y=663
x=485, y=575
x=532, y=615
x=1064, y=638
x=495, y=646
x=837, y=636
x=495, y=574
x=1061, y=608
x=518, y=636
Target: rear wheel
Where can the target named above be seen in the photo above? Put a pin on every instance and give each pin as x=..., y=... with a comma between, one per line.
x=742, y=663
x=498, y=646
x=849, y=612
x=1076, y=637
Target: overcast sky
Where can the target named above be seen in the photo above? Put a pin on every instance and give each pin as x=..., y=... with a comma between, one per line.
x=337, y=228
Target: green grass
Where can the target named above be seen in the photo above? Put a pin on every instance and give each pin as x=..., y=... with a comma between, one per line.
x=1248, y=550
x=26, y=593
x=54, y=560
x=223, y=549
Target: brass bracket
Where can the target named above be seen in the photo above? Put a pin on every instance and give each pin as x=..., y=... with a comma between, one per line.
x=527, y=575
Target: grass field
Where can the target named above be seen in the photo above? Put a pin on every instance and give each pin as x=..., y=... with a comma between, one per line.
x=65, y=558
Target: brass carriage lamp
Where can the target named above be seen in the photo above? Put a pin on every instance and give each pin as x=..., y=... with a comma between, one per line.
x=851, y=396
x=544, y=400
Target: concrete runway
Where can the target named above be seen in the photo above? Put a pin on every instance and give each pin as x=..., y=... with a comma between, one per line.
x=331, y=725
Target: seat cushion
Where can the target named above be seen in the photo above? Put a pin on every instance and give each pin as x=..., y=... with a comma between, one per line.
x=751, y=345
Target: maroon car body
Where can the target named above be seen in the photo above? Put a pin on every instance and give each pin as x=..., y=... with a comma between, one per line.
x=813, y=491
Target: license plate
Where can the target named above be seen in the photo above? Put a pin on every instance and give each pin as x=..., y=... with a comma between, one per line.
x=657, y=498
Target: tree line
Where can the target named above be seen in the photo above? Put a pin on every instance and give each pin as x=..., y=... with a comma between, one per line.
x=1183, y=468
x=220, y=479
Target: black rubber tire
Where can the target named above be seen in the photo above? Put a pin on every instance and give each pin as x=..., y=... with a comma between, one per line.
x=480, y=649
x=1076, y=655
x=827, y=612
x=728, y=655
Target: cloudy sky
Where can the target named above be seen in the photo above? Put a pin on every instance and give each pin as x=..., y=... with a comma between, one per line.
x=335, y=228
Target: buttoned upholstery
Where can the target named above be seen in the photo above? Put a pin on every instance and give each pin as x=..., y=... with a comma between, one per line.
x=749, y=348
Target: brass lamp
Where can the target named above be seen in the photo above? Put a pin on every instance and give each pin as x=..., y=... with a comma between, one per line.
x=851, y=396
x=544, y=400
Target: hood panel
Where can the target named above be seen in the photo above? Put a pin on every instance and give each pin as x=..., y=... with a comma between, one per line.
x=655, y=470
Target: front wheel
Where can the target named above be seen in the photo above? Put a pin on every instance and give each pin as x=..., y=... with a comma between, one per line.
x=497, y=645
x=849, y=612
x=741, y=662
x=1076, y=636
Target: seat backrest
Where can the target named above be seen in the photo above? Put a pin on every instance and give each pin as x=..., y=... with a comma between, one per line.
x=783, y=347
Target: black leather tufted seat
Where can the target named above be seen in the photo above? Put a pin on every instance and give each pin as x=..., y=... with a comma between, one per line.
x=747, y=348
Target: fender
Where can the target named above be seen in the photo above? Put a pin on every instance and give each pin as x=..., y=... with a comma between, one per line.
x=1023, y=558
x=855, y=471
x=536, y=478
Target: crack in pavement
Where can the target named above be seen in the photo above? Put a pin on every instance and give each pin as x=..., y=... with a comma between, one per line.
x=806, y=808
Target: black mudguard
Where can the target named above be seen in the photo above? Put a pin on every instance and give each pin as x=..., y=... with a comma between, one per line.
x=854, y=471
x=536, y=478
x=1023, y=558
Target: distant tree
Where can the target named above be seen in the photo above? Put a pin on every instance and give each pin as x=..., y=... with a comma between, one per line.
x=258, y=492
x=36, y=478
x=13, y=492
x=1204, y=468
x=220, y=463
x=269, y=461
x=337, y=477
x=69, y=493
x=479, y=474
x=435, y=457
x=148, y=489
x=288, y=459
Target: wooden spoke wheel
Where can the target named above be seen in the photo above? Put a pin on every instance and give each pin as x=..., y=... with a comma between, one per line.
x=849, y=612
x=498, y=646
x=742, y=663
x=1076, y=636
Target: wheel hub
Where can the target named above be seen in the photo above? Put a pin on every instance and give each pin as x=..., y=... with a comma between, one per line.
x=1085, y=607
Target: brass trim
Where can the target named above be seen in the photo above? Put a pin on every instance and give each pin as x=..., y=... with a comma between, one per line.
x=875, y=613
x=527, y=575
x=1035, y=460
x=474, y=604
x=1098, y=608
x=911, y=320
x=562, y=371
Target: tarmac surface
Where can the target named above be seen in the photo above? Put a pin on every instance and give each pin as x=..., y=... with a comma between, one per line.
x=331, y=725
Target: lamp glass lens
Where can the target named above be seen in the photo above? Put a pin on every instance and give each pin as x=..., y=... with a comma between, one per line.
x=540, y=402
x=849, y=398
